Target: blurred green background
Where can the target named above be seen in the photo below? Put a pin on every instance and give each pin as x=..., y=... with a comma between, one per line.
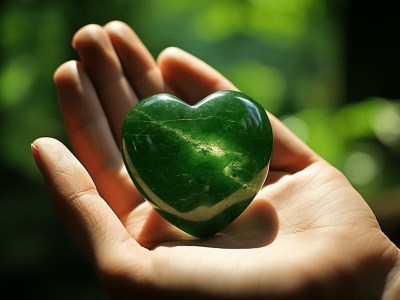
x=329, y=70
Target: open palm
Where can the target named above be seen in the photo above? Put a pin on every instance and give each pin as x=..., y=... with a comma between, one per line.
x=307, y=234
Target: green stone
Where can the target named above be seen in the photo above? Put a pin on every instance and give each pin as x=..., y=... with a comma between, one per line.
x=199, y=166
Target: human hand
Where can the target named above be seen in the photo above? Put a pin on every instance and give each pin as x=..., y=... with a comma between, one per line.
x=308, y=234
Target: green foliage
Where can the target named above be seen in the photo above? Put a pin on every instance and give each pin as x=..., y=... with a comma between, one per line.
x=360, y=139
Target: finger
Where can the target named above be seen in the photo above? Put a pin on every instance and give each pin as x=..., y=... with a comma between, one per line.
x=193, y=79
x=290, y=153
x=104, y=68
x=91, y=138
x=88, y=218
x=138, y=64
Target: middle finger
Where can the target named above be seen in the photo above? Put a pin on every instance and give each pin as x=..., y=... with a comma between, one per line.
x=138, y=64
x=104, y=68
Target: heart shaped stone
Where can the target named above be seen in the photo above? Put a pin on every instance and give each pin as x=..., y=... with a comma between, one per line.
x=199, y=166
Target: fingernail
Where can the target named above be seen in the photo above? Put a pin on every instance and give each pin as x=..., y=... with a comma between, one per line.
x=36, y=156
x=35, y=151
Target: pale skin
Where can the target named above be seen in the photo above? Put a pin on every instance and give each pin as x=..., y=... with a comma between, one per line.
x=307, y=235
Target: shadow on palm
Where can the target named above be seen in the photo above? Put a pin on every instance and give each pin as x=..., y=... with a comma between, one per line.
x=256, y=227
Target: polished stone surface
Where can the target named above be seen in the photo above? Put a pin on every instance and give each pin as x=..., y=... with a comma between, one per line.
x=199, y=166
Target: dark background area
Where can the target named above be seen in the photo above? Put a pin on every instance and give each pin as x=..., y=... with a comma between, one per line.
x=328, y=69
x=372, y=51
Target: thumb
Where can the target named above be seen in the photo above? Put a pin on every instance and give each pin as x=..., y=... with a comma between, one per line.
x=88, y=218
